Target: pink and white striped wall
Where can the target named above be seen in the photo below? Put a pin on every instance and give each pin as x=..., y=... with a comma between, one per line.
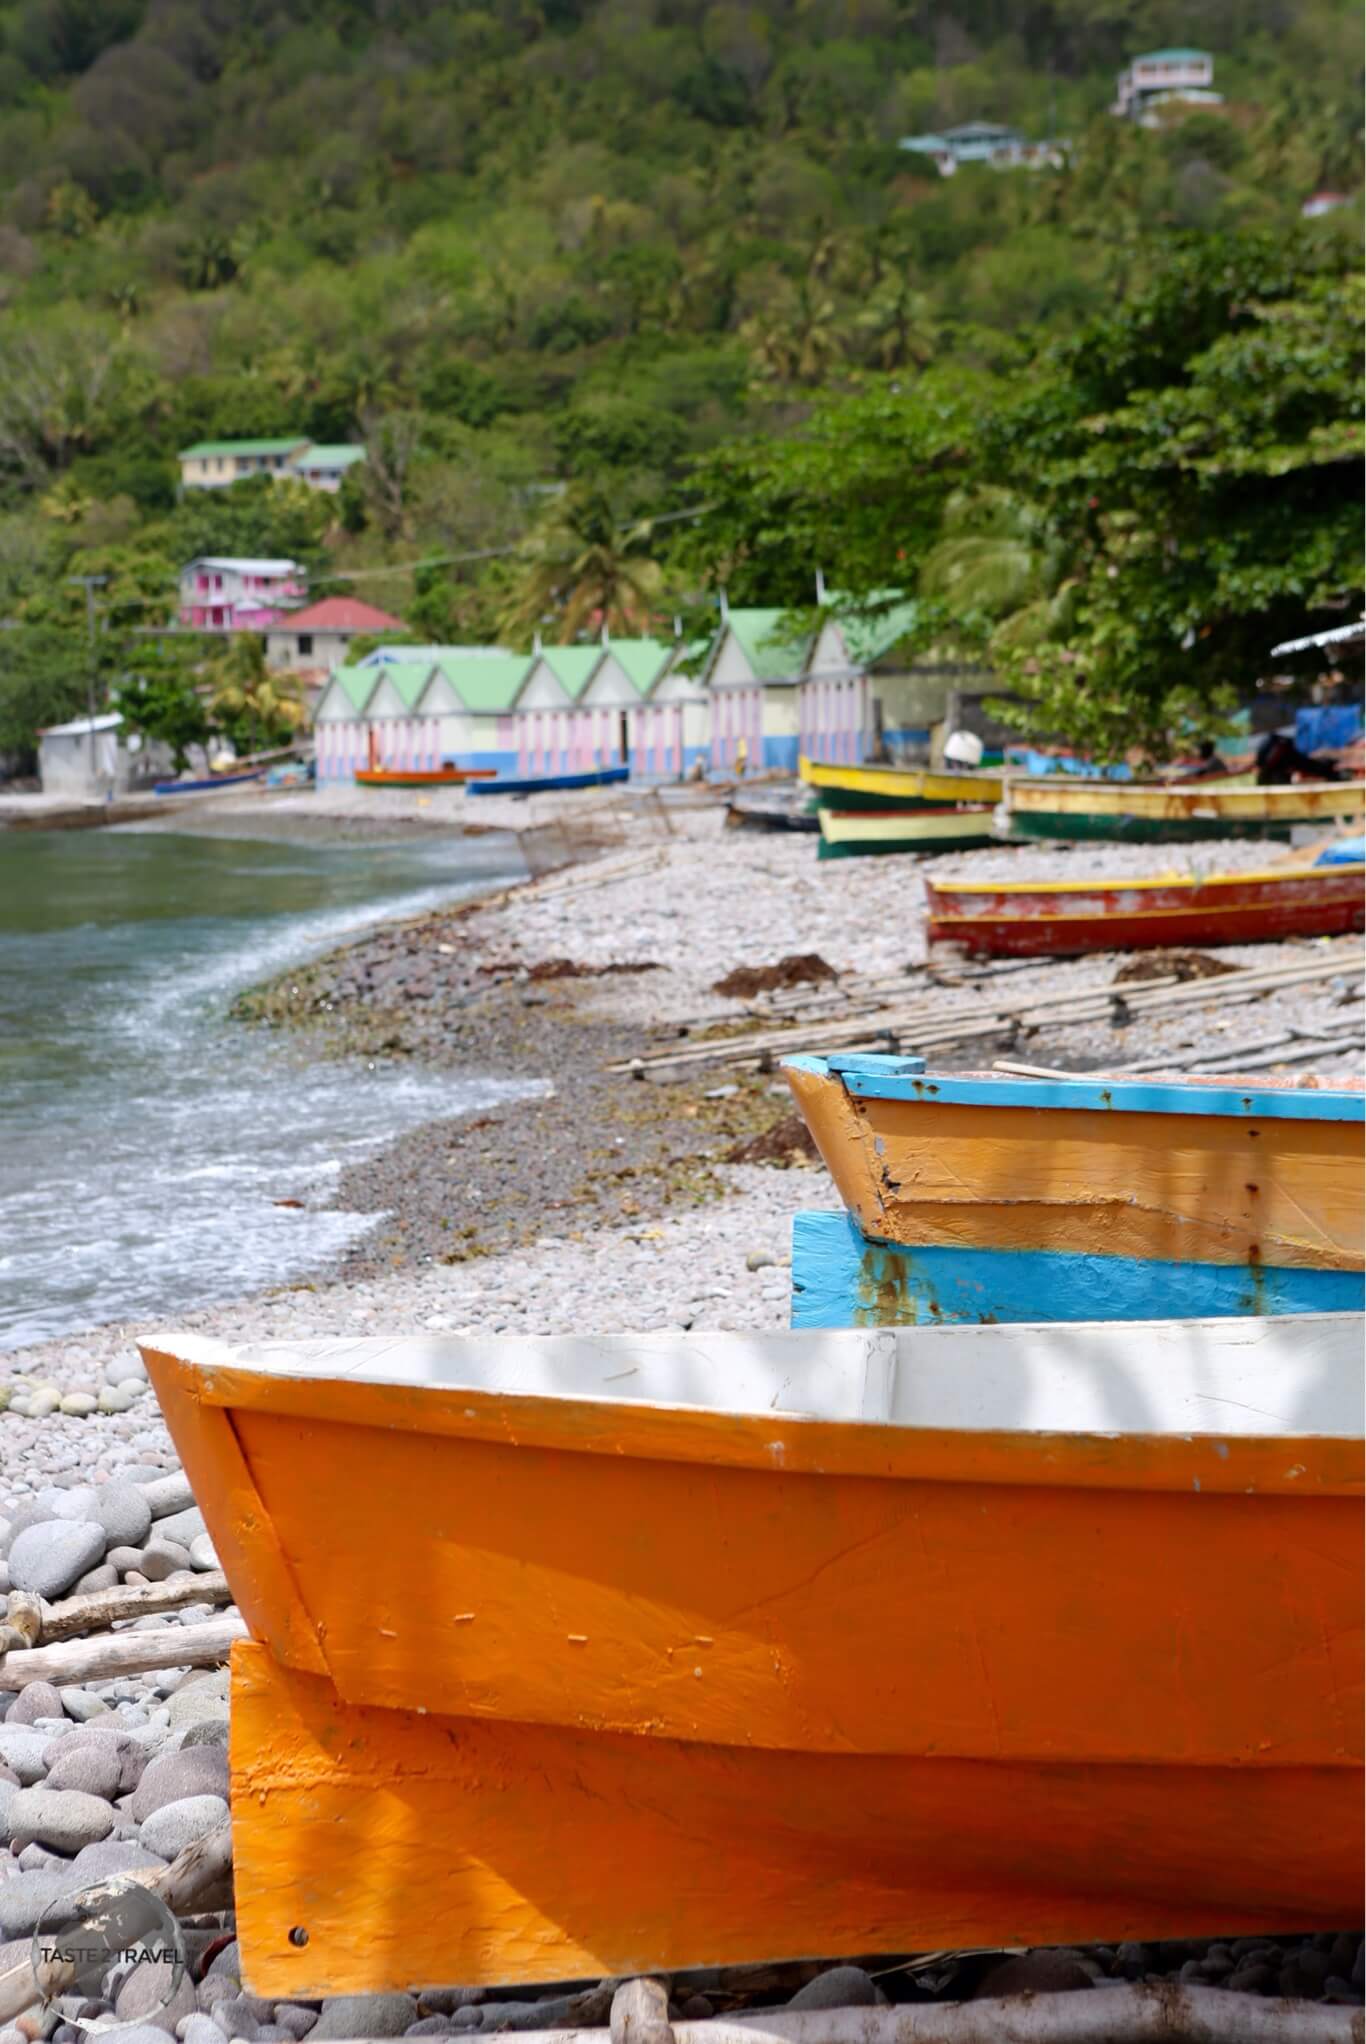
x=737, y=713
x=833, y=720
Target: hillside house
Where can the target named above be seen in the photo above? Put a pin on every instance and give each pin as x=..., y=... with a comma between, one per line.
x=1162, y=77
x=1319, y=203
x=318, y=638
x=752, y=677
x=215, y=464
x=230, y=593
x=325, y=467
x=988, y=142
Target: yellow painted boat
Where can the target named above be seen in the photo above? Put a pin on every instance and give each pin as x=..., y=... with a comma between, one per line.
x=577, y=1657
x=847, y=833
x=883, y=787
x=1153, y=812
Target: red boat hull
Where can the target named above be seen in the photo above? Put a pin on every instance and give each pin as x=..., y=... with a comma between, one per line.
x=1020, y=920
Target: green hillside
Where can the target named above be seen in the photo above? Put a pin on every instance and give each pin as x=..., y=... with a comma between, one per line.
x=545, y=260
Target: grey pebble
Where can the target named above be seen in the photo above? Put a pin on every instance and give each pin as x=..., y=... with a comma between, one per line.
x=92, y=1767
x=63, y=1820
x=24, y=1752
x=36, y=1700
x=162, y=1558
x=365, y=2015
x=124, y=1513
x=102, y=1578
x=200, y=1771
x=46, y=1559
x=295, y=2020
x=24, y=1898
x=175, y=1825
x=216, y=1987
x=199, y=2029
x=203, y=1554
x=126, y=1370
x=78, y=1404
x=206, y=1732
x=843, y=1987
x=143, y=1997
x=115, y=1397
x=124, y=1558
x=182, y=1527
x=111, y=1856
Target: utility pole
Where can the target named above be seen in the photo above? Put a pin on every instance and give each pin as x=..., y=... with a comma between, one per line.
x=90, y=583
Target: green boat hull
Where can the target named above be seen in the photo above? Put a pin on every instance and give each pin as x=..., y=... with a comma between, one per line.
x=880, y=847
x=1141, y=830
x=851, y=802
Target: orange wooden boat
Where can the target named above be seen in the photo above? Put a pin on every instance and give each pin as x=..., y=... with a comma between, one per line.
x=578, y=1657
x=1034, y=918
x=433, y=777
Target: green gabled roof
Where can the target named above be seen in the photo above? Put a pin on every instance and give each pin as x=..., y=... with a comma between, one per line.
x=572, y=666
x=357, y=684
x=486, y=683
x=872, y=625
x=641, y=660
x=204, y=447
x=340, y=456
x=770, y=658
x=410, y=678
x=1170, y=57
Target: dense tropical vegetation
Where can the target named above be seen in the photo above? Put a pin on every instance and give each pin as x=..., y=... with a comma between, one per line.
x=574, y=270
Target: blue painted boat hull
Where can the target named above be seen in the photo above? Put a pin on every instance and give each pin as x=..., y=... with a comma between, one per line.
x=841, y=1279
x=546, y=783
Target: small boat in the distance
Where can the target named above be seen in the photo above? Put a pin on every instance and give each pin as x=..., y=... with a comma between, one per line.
x=1037, y=918
x=418, y=777
x=211, y=784
x=851, y=834
x=543, y=784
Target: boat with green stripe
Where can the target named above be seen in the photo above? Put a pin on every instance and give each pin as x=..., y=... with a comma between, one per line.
x=1140, y=812
x=888, y=787
x=848, y=834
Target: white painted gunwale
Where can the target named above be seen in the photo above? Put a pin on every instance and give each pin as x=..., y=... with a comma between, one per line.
x=1296, y=1375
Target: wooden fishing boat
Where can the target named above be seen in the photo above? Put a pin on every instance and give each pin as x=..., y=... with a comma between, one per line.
x=1156, y=812
x=1035, y=918
x=210, y=783
x=971, y=1196
x=600, y=1656
x=887, y=787
x=542, y=784
x=421, y=777
x=851, y=834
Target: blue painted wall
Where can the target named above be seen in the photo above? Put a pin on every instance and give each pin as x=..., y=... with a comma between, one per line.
x=839, y=1279
x=781, y=753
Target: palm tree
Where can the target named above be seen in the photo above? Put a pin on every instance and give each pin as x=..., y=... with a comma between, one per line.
x=582, y=569
x=998, y=555
x=253, y=704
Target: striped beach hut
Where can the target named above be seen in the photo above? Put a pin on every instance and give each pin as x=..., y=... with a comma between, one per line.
x=753, y=678
x=853, y=666
x=372, y=716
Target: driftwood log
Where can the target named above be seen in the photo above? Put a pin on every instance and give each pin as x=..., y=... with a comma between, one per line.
x=30, y=1622
x=198, y=1878
x=111, y=1654
x=1157, y=2013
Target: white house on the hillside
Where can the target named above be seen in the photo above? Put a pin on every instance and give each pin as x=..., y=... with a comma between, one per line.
x=989, y=142
x=1160, y=77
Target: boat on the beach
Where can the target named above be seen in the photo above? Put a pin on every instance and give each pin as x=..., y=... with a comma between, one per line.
x=595, y=1656
x=417, y=777
x=210, y=783
x=1159, y=812
x=898, y=788
x=784, y=807
x=1038, y=918
x=974, y=1196
x=854, y=834
x=544, y=784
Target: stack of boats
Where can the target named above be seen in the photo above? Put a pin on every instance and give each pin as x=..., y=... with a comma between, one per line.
x=866, y=810
x=1011, y=1598
x=875, y=809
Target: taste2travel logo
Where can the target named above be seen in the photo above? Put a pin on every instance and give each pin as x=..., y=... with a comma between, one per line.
x=88, y=1946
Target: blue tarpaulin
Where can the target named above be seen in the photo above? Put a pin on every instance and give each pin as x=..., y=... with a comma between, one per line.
x=1348, y=851
x=1327, y=727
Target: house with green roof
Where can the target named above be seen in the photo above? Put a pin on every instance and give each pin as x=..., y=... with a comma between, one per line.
x=863, y=676
x=214, y=464
x=753, y=676
x=1160, y=78
x=595, y=705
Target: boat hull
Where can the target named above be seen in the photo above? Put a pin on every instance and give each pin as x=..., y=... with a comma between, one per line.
x=602, y=1656
x=435, y=777
x=442, y=1848
x=209, y=786
x=1140, y=813
x=873, y=788
x=850, y=835
x=600, y=777
x=1126, y=1169
x=1029, y=919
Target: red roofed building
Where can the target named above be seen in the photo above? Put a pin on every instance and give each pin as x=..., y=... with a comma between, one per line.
x=318, y=638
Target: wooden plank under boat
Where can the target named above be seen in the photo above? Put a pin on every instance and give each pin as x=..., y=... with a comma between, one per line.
x=600, y=1656
x=1038, y=918
x=975, y=1196
x=1154, y=812
x=541, y=784
x=421, y=777
x=210, y=783
x=887, y=787
x=850, y=834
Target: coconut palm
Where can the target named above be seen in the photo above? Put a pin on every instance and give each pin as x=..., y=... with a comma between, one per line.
x=253, y=704
x=998, y=556
x=581, y=568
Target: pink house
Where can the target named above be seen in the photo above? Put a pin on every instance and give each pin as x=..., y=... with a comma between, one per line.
x=225, y=593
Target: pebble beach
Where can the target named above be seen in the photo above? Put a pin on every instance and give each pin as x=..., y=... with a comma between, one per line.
x=622, y=1199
